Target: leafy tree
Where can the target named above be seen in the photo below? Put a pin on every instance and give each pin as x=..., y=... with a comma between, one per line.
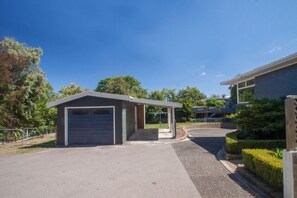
x=126, y=85
x=150, y=116
x=70, y=90
x=169, y=94
x=16, y=60
x=24, y=90
x=189, y=97
x=213, y=102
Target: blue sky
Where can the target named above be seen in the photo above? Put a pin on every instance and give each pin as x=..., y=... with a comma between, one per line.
x=162, y=43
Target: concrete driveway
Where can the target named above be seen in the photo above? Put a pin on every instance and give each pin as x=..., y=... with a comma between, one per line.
x=146, y=170
x=198, y=155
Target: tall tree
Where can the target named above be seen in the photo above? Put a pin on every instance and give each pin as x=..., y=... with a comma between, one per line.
x=24, y=89
x=127, y=85
x=16, y=60
x=189, y=97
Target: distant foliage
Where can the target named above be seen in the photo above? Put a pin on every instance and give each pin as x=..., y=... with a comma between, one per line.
x=164, y=95
x=262, y=119
x=70, y=90
x=189, y=97
x=213, y=102
x=126, y=85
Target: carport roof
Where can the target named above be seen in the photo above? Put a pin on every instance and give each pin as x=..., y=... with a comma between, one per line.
x=116, y=97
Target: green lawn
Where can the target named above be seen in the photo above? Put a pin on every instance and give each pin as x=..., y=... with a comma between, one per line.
x=178, y=124
x=33, y=145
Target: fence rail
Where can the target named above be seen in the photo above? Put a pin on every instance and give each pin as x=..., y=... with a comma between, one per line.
x=291, y=122
x=17, y=134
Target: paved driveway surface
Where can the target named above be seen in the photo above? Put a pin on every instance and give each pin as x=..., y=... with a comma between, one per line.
x=147, y=170
x=198, y=156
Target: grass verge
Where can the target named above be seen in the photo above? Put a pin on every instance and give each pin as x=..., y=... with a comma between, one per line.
x=32, y=145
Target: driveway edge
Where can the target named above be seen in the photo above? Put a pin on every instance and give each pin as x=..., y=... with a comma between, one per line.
x=252, y=188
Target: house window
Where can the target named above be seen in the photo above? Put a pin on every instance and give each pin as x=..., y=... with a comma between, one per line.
x=250, y=82
x=246, y=95
x=242, y=84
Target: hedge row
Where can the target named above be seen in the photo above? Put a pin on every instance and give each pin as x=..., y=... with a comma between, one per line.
x=265, y=165
x=235, y=146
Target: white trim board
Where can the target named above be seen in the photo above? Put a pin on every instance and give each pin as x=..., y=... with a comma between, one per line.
x=115, y=97
x=84, y=107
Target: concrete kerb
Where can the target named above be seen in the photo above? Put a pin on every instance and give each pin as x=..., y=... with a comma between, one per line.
x=252, y=188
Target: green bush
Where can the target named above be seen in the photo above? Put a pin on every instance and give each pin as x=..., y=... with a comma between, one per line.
x=265, y=165
x=235, y=146
x=261, y=119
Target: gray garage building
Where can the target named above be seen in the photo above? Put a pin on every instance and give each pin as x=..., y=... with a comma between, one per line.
x=102, y=118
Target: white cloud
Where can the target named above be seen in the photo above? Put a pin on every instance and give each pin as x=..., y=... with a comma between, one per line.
x=274, y=49
x=219, y=75
x=203, y=74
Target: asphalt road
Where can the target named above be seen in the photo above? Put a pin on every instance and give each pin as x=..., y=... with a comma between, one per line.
x=198, y=155
x=145, y=170
x=181, y=169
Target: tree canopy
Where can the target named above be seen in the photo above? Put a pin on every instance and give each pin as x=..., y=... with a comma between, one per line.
x=126, y=85
x=70, y=90
x=189, y=97
x=24, y=89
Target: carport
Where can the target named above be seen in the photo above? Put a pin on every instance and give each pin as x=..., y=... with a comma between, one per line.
x=103, y=119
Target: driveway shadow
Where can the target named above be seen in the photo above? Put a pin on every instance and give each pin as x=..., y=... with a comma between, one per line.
x=211, y=144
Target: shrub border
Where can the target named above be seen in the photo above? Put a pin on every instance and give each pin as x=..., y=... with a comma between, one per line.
x=265, y=165
x=235, y=146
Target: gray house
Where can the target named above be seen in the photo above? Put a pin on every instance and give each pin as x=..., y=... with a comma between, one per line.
x=274, y=80
x=102, y=118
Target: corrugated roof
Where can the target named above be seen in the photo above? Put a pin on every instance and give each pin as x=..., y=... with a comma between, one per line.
x=116, y=97
x=275, y=65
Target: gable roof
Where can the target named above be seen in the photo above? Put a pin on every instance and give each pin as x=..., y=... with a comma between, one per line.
x=114, y=96
x=270, y=67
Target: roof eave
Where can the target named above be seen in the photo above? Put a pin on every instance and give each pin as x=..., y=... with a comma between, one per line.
x=275, y=65
x=113, y=96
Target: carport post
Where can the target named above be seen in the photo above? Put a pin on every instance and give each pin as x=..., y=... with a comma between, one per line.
x=173, y=123
x=169, y=118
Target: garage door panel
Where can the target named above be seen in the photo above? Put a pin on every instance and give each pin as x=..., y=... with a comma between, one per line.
x=90, y=126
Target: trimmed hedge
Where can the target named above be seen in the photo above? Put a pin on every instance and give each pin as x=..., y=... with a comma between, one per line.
x=265, y=165
x=235, y=146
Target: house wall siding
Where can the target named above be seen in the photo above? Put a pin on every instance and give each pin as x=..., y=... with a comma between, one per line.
x=90, y=101
x=277, y=84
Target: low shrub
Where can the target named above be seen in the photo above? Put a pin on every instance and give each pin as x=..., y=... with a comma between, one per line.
x=263, y=163
x=235, y=146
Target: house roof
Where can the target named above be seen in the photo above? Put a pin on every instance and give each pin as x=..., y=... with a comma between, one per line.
x=270, y=67
x=116, y=97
